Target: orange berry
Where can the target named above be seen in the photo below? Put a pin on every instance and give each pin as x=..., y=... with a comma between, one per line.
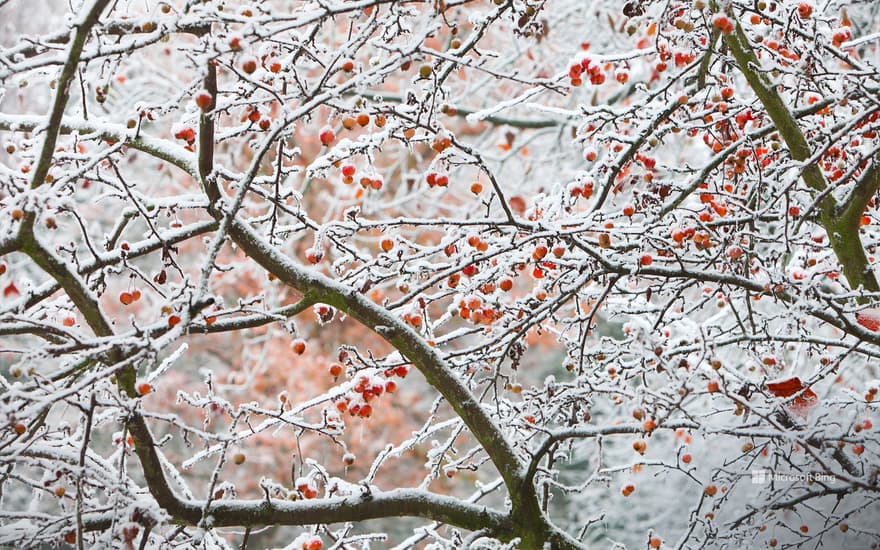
x=249, y=65
x=203, y=100
x=299, y=346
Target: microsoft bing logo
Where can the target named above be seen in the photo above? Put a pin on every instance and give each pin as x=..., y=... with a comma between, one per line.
x=759, y=477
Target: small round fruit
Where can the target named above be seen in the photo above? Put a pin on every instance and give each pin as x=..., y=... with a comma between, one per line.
x=327, y=137
x=238, y=458
x=426, y=71
x=299, y=346
x=203, y=100
x=348, y=459
x=249, y=65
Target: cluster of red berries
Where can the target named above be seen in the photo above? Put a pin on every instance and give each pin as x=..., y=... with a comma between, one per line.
x=584, y=190
x=187, y=134
x=127, y=298
x=577, y=71
x=435, y=179
x=366, y=388
x=307, y=488
x=723, y=23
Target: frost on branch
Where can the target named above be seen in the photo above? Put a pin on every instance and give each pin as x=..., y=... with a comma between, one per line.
x=441, y=274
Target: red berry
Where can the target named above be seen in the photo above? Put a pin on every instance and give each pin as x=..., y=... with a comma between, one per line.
x=805, y=10
x=203, y=100
x=299, y=346
x=126, y=298
x=249, y=65
x=327, y=137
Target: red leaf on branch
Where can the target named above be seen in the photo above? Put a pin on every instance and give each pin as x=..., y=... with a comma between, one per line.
x=870, y=319
x=791, y=386
x=785, y=388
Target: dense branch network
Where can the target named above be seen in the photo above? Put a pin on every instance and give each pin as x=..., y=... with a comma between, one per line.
x=622, y=266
